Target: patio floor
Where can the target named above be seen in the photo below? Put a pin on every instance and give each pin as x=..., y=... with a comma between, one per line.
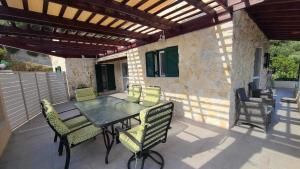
x=190, y=145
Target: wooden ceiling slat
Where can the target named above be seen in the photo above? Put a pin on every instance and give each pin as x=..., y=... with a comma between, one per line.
x=167, y=7
x=117, y=10
x=45, y=6
x=32, y=17
x=277, y=19
x=202, y=6
x=90, y=17
x=155, y=5
x=176, y=10
x=77, y=14
x=25, y=4
x=58, y=45
x=62, y=10
x=42, y=34
x=183, y=13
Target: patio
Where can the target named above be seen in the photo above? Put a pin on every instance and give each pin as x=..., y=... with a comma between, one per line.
x=190, y=145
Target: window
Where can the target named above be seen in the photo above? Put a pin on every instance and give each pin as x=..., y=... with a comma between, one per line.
x=163, y=63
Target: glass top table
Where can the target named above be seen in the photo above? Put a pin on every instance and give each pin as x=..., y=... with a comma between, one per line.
x=107, y=110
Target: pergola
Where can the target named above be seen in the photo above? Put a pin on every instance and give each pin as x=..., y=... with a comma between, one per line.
x=95, y=28
x=99, y=27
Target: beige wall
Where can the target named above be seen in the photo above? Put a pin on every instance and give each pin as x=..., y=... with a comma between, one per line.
x=247, y=37
x=202, y=90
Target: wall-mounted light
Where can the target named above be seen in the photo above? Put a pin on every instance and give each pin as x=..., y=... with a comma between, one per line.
x=162, y=36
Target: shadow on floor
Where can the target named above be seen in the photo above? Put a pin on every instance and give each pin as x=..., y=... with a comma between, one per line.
x=190, y=145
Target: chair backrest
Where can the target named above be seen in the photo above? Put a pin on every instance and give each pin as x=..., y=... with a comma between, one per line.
x=156, y=122
x=135, y=91
x=53, y=119
x=152, y=96
x=241, y=94
x=85, y=94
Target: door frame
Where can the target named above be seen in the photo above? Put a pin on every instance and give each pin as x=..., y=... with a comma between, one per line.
x=261, y=57
x=121, y=67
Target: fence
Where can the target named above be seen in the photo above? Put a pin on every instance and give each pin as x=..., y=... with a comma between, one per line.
x=22, y=91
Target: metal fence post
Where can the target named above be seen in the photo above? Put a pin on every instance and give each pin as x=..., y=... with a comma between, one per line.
x=23, y=95
x=37, y=85
x=49, y=88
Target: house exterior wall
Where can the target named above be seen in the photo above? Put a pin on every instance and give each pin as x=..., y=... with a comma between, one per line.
x=78, y=71
x=202, y=90
x=246, y=38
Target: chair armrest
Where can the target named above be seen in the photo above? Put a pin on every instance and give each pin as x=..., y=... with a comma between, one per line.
x=255, y=106
x=119, y=129
x=67, y=111
x=86, y=125
x=73, y=117
x=254, y=99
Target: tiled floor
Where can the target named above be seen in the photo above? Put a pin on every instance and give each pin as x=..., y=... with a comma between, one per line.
x=190, y=146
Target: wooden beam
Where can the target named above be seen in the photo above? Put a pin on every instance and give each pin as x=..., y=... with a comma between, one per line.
x=33, y=17
x=126, y=10
x=7, y=30
x=202, y=6
x=119, y=11
x=58, y=44
x=44, y=50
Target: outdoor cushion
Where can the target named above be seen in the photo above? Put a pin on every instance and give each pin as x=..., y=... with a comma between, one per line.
x=58, y=125
x=134, y=93
x=152, y=96
x=75, y=122
x=135, y=132
x=153, y=135
x=83, y=134
x=85, y=94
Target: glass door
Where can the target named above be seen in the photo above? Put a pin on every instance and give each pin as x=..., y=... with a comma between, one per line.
x=125, y=76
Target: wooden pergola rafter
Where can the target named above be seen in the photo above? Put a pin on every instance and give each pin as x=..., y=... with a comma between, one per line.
x=120, y=23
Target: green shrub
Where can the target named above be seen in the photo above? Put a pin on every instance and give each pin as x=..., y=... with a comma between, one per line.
x=3, y=53
x=286, y=68
x=28, y=67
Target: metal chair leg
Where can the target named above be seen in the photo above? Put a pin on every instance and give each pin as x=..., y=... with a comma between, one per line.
x=55, y=138
x=160, y=161
x=68, y=156
x=60, y=148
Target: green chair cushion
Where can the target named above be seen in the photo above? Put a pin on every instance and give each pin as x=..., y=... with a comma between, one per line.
x=83, y=134
x=85, y=94
x=75, y=122
x=152, y=96
x=58, y=125
x=135, y=132
x=134, y=94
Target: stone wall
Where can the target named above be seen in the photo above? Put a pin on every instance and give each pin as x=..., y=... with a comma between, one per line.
x=78, y=71
x=247, y=37
x=202, y=90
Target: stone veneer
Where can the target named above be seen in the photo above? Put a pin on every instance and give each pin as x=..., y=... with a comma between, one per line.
x=78, y=71
x=202, y=90
x=246, y=38
x=209, y=72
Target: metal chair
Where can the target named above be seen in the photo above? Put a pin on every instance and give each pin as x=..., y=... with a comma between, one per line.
x=69, y=138
x=153, y=130
x=252, y=111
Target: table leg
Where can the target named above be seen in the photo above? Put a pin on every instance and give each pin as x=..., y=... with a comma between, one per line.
x=108, y=141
